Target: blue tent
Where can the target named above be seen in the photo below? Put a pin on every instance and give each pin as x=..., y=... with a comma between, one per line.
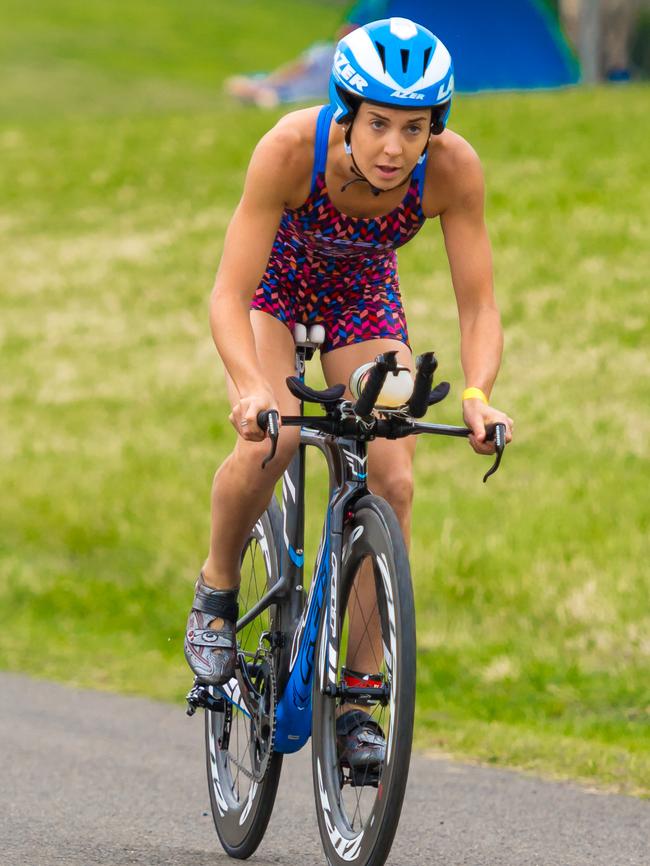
x=505, y=45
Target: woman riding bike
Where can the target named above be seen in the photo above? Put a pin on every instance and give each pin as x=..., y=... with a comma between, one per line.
x=330, y=194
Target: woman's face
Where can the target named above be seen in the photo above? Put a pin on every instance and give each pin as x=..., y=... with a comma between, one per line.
x=387, y=142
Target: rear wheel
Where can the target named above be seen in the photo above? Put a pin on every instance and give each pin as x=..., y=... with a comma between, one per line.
x=358, y=811
x=243, y=769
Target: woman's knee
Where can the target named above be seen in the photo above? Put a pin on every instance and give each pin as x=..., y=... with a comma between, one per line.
x=249, y=456
x=395, y=485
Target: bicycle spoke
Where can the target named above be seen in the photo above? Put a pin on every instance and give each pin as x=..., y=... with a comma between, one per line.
x=359, y=610
x=358, y=809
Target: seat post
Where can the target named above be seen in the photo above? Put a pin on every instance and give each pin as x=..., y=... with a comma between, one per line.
x=293, y=482
x=306, y=344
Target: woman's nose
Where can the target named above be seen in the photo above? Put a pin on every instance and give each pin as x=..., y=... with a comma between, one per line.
x=392, y=145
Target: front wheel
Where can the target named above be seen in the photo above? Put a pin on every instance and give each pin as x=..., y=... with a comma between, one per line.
x=243, y=769
x=358, y=810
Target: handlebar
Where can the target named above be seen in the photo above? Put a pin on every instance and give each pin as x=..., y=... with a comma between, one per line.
x=363, y=425
x=425, y=366
x=393, y=428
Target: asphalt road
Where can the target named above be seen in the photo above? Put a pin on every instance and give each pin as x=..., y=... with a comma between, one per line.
x=93, y=778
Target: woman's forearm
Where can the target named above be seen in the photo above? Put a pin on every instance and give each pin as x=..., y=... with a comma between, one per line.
x=234, y=339
x=481, y=346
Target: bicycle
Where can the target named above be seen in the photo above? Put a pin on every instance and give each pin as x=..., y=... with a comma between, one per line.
x=291, y=679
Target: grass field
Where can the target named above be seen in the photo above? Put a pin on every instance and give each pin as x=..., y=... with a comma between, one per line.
x=121, y=165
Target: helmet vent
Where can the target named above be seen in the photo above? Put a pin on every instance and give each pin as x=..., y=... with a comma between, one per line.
x=405, y=58
x=427, y=55
x=382, y=54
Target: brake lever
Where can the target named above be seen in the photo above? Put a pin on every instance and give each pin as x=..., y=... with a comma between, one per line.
x=270, y=423
x=496, y=433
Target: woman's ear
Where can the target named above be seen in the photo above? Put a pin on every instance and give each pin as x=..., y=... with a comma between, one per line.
x=347, y=134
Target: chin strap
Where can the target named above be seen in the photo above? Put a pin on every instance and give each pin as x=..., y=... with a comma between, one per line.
x=361, y=178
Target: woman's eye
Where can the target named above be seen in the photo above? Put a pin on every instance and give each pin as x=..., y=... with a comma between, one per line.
x=377, y=124
x=415, y=130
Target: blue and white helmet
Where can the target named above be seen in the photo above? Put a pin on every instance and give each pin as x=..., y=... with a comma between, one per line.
x=393, y=62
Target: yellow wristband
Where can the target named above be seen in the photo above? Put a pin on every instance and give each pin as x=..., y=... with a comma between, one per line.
x=474, y=394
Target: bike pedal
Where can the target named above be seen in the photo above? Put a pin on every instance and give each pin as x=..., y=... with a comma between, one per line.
x=200, y=696
x=360, y=778
x=364, y=780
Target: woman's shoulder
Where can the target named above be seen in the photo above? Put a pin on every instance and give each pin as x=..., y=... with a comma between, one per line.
x=450, y=153
x=300, y=124
x=453, y=169
x=287, y=150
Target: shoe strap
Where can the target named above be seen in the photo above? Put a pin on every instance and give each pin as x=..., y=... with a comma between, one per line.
x=357, y=680
x=217, y=602
x=217, y=639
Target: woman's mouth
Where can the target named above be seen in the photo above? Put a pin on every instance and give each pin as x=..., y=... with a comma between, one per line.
x=387, y=171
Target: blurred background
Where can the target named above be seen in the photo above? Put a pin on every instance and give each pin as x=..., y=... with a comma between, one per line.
x=125, y=131
x=512, y=45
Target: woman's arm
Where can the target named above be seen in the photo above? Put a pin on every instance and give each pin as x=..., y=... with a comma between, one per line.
x=247, y=246
x=470, y=261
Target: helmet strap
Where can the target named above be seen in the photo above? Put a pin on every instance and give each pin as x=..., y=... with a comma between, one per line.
x=423, y=155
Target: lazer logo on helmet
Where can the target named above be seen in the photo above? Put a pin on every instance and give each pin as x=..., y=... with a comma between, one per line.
x=446, y=89
x=348, y=74
x=401, y=94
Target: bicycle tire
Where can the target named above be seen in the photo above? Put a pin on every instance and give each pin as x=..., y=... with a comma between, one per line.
x=358, y=825
x=241, y=813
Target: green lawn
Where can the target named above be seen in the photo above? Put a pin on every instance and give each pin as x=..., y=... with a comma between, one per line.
x=121, y=163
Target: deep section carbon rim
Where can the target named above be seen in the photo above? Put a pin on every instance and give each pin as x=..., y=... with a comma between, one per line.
x=358, y=805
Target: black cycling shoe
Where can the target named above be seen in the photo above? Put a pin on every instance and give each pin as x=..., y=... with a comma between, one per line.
x=212, y=653
x=361, y=747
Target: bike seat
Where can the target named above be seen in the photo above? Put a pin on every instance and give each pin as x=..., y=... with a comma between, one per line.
x=328, y=397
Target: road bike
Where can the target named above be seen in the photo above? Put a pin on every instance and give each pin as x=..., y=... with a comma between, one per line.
x=292, y=681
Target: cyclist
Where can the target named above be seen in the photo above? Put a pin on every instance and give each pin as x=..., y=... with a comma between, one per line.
x=330, y=193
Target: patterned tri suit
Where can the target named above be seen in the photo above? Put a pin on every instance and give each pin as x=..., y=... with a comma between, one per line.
x=339, y=271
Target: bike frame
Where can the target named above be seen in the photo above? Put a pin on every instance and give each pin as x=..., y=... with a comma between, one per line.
x=347, y=464
x=346, y=460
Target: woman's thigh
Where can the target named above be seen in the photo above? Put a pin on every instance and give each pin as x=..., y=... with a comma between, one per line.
x=339, y=364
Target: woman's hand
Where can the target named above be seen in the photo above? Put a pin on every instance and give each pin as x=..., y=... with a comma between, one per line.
x=244, y=413
x=477, y=414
